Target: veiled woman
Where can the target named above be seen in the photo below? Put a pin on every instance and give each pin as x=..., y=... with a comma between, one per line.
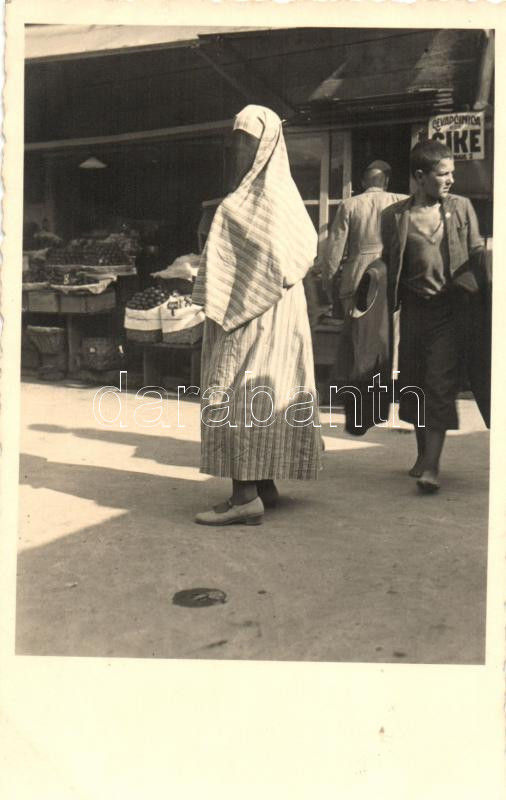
x=259, y=404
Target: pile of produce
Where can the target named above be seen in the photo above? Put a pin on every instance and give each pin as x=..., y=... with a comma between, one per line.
x=149, y=298
x=62, y=256
x=36, y=274
x=89, y=256
x=56, y=276
x=87, y=252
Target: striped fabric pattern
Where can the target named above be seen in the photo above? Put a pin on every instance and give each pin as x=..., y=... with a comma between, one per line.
x=260, y=246
x=273, y=350
x=261, y=239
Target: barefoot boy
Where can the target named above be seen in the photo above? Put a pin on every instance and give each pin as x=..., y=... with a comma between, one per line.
x=434, y=255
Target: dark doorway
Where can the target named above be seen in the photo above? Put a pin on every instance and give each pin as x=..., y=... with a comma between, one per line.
x=390, y=143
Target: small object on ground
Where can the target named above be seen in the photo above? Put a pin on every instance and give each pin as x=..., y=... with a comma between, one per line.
x=199, y=598
x=77, y=383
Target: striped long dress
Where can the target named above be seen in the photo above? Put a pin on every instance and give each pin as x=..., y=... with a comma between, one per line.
x=275, y=350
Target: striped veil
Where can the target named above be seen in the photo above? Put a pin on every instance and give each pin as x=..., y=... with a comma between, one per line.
x=262, y=239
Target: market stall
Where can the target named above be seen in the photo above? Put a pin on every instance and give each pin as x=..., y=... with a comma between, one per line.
x=168, y=326
x=65, y=285
x=98, y=149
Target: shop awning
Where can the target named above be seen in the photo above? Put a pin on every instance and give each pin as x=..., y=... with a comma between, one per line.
x=82, y=85
x=55, y=42
x=421, y=73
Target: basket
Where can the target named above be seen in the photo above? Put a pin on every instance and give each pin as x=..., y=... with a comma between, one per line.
x=185, y=335
x=47, y=340
x=101, y=353
x=143, y=325
x=30, y=358
x=182, y=325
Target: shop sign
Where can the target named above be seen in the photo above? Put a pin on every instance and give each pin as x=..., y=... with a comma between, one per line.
x=463, y=133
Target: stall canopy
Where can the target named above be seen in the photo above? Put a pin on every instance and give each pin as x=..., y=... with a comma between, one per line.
x=54, y=42
x=141, y=79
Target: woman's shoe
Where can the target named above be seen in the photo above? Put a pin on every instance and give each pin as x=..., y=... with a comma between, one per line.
x=227, y=514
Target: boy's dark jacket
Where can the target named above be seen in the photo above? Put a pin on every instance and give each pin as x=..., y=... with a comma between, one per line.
x=469, y=270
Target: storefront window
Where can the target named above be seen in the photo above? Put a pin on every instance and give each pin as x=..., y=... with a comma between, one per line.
x=339, y=180
x=305, y=154
x=339, y=166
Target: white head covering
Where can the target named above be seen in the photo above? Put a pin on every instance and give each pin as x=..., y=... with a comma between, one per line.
x=262, y=238
x=251, y=120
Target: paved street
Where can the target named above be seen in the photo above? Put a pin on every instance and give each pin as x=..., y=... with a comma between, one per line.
x=354, y=567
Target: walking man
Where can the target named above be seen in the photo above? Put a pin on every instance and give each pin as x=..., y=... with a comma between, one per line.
x=356, y=230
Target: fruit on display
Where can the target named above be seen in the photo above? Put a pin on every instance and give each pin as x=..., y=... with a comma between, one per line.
x=56, y=276
x=92, y=253
x=80, y=279
x=149, y=298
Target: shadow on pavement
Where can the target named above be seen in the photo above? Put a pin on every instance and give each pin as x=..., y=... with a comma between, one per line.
x=354, y=567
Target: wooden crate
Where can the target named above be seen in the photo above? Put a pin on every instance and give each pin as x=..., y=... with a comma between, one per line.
x=87, y=303
x=45, y=301
x=143, y=337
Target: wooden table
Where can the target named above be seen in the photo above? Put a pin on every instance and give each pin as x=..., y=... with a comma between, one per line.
x=152, y=355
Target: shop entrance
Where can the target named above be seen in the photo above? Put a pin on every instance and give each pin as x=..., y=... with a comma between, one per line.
x=390, y=143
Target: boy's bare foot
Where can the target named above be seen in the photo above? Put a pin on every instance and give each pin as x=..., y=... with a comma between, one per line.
x=428, y=482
